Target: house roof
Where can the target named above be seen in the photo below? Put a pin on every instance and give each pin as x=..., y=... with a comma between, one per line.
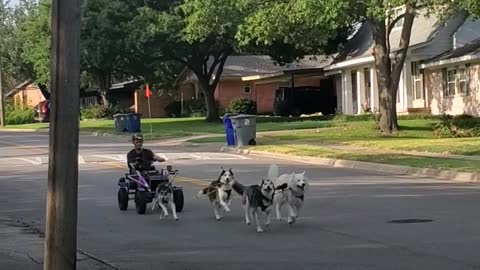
x=18, y=87
x=360, y=46
x=250, y=65
x=241, y=66
x=468, y=52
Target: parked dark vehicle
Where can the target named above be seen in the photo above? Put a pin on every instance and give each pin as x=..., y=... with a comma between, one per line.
x=304, y=100
x=43, y=111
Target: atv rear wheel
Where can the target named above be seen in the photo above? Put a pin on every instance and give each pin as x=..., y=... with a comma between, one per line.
x=140, y=202
x=178, y=199
x=122, y=199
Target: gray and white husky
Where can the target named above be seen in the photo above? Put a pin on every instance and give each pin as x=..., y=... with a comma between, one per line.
x=164, y=198
x=292, y=194
x=257, y=199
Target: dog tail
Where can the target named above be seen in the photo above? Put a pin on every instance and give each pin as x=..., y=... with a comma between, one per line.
x=273, y=172
x=203, y=191
x=239, y=188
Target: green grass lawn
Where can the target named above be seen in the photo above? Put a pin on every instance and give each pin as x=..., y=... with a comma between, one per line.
x=374, y=156
x=415, y=135
x=179, y=127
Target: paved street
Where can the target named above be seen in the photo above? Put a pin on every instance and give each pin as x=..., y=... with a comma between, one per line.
x=344, y=224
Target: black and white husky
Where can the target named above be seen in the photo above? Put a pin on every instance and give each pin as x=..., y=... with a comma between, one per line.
x=293, y=193
x=257, y=199
x=219, y=192
x=164, y=198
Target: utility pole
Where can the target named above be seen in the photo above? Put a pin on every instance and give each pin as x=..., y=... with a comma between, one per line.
x=2, y=103
x=62, y=195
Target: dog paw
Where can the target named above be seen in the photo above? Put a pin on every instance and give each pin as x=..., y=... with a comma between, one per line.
x=267, y=225
x=259, y=230
x=248, y=223
x=292, y=220
x=176, y=219
x=218, y=218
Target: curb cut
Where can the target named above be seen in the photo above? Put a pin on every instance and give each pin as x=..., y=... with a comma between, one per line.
x=449, y=175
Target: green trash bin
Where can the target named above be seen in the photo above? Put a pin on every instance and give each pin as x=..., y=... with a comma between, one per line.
x=121, y=120
x=245, y=126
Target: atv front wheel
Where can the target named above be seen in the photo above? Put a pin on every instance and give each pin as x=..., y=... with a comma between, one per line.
x=122, y=199
x=140, y=202
x=178, y=199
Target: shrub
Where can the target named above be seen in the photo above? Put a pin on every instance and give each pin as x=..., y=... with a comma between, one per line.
x=17, y=116
x=243, y=105
x=97, y=111
x=195, y=107
x=191, y=108
x=173, y=109
x=281, y=108
x=457, y=126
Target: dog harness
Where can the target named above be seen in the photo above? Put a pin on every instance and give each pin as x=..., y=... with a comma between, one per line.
x=301, y=197
x=229, y=192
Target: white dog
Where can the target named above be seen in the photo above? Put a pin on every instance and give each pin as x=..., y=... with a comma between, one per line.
x=292, y=195
x=164, y=196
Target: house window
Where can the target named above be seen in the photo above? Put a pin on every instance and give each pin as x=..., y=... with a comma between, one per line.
x=462, y=81
x=451, y=81
x=417, y=82
x=397, y=12
x=247, y=89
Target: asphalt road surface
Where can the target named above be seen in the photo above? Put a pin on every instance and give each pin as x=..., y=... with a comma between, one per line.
x=344, y=223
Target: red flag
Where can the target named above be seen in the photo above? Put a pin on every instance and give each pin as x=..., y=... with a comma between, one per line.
x=148, y=93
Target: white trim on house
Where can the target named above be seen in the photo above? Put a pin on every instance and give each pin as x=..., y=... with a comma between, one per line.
x=352, y=62
x=447, y=62
x=259, y=77
x=334, y=72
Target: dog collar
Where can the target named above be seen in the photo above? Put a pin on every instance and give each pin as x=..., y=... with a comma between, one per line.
x=300, y=197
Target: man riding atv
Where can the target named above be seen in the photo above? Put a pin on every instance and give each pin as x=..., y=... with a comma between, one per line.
x=142, y=180
x=140, y=153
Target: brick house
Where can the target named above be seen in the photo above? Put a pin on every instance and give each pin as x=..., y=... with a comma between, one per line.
x=434, y=46
x=29, y=94
x=256, y=77
x=452, y=80
x=25, y=94
x=158, y=102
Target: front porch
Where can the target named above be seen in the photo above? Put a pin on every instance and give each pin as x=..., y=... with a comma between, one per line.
x=357, y=89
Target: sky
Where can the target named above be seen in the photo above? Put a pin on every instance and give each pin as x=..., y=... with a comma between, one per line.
x=13, y=2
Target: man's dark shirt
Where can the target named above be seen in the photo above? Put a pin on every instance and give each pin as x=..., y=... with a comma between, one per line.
x=145, y=155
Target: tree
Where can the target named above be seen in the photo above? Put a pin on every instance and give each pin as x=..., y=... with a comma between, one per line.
x=14, y=69
x=198, y=34
x=104, y=39
x=202, y=34
x=302, y=17
x=34, y=35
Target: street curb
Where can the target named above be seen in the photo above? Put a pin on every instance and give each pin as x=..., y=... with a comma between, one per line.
x=450, y=175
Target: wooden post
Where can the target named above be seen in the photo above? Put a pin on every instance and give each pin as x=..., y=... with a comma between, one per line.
x=61, y=213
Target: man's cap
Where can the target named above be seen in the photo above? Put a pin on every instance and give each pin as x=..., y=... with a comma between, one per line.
x=137, y=136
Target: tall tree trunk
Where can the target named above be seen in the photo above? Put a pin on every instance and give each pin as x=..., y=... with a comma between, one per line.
x=206, y=73
x=381, y=53
x=104, y=81
x=44, y=90
x=209, y=94
x=389, y=73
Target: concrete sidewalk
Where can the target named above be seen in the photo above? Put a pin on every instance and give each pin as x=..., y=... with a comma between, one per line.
x=22, y=247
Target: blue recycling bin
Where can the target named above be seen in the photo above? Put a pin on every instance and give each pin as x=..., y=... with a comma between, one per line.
x=229, y=131
x=133, y=122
